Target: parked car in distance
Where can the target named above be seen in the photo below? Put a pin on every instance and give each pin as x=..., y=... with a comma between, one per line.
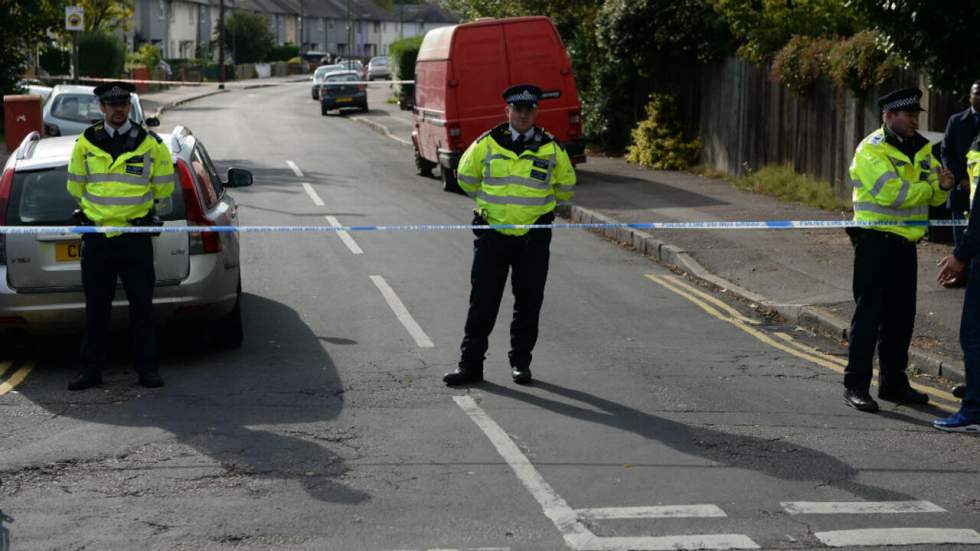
x=320, y=74
x=34, y=88
x=378, y=68
x=335, y=93
x=70, y=109
x=354, y=65
x=198, y=274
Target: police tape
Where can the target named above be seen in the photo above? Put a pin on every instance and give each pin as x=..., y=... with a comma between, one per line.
x=705, y=225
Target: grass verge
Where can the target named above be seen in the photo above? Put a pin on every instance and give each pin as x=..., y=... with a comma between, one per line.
x=785, y=184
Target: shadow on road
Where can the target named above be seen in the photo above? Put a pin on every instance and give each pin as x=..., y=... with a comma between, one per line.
x=259, y=412
x=771, y=457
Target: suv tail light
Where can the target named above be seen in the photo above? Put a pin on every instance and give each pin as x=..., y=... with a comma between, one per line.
x=6, y=182
x=574, y=124
x=51, y=130
x=200, y=242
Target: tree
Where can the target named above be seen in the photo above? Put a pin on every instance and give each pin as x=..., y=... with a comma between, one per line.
x=23, y=24
x=937, y=36
x=248, y=37
x=765, y=26
x=105, y=15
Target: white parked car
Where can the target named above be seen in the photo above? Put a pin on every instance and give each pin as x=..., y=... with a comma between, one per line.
x=198, y=274
x=71, y=108
x=378, y=68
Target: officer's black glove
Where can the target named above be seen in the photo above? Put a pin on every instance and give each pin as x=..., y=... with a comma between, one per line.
x=150, y=219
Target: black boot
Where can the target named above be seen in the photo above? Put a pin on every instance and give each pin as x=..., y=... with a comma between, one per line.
x=463, y=376
x=907, y=395
x=151, y=379
x=861, y=401
x=521, y=375
x=85, y=380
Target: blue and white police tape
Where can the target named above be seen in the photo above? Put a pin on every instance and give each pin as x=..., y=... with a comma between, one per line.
x=705, y=225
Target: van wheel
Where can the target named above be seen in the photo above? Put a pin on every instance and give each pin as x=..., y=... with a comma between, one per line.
x=423, y=166
x=228, y=331
x=364, y=108
x=449, y=182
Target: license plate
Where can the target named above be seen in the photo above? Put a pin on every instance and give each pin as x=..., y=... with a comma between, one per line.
x=344, y=100
x=68, y=252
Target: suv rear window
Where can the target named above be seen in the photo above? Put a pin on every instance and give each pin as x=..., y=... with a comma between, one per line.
x=41, y=198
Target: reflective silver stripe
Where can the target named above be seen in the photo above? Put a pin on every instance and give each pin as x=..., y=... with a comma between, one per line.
x=471, y=194
x=498, y=156
x=857, y=183
x=147, y=167
x=486, y=163
x=921, y=210
x=468, y=179
x=902, y=194
x=881, y=181
x=565, y=188
x=564, y=203
x=160, y=180
x=512, y=200
x=118, y=201
x=123, y=178
x=551, y=167
x=517, y=181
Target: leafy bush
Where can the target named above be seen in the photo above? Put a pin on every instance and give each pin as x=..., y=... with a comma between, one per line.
x=801, y=62
x=55, y=60
x=784, y=183
x=862, y=62
x=100, y=55
x=658, y=141
x=284, y=52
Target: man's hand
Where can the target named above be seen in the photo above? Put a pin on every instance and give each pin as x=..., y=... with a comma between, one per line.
x=950, y=268
x=946, y=178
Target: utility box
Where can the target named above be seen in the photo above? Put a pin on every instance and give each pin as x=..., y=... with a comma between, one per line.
x=21, y=116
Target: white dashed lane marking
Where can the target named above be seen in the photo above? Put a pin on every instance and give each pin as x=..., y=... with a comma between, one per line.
x=897, y=536
x=313, y=194
x=859, y=507
x=296, y=170
x=396, y=305
x=344, y=236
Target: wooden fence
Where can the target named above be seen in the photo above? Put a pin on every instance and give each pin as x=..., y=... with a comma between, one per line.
x=745, y=120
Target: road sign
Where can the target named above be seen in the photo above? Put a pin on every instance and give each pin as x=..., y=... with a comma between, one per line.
x=74, y=18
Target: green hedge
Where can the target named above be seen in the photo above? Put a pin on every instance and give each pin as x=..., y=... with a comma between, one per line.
x=101, y=55
x=55, y=60
x=403, y=54
x=658, y=141
x=282, y=53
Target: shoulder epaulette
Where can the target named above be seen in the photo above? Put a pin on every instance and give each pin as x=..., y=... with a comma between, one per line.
x=155, y=136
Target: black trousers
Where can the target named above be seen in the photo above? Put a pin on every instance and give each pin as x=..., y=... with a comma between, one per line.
x=885, y=269
x=526, y=258
x=128, y=257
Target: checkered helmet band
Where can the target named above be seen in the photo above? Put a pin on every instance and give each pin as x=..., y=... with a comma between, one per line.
x=899, y=103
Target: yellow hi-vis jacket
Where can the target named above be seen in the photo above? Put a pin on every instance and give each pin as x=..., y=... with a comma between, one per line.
x=888, y=186
x=511, y=188
x=973, y=169
x=111, y=192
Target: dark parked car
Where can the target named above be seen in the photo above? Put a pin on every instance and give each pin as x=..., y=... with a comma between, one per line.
x=336, y=93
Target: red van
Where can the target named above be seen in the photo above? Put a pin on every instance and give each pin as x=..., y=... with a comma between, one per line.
x=460, y=74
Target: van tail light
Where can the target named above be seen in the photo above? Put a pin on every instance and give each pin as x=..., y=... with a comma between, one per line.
x=6, y=183
x=574, y=124
x=455, y=136
x=200, y=242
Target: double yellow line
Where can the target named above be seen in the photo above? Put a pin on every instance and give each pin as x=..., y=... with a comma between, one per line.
x=15, y=378
x=722, y=311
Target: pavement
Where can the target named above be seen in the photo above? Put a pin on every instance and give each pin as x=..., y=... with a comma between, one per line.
x=802, y=275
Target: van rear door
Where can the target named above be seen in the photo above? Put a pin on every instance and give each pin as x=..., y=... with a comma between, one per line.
x=536, y=55
x=478, y=64
x=51, y=262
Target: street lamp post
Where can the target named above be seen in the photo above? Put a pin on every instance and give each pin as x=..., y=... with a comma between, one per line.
x=221, y=44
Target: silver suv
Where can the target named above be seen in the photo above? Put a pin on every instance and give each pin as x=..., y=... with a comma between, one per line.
x=198, y=274
x=69, y=109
